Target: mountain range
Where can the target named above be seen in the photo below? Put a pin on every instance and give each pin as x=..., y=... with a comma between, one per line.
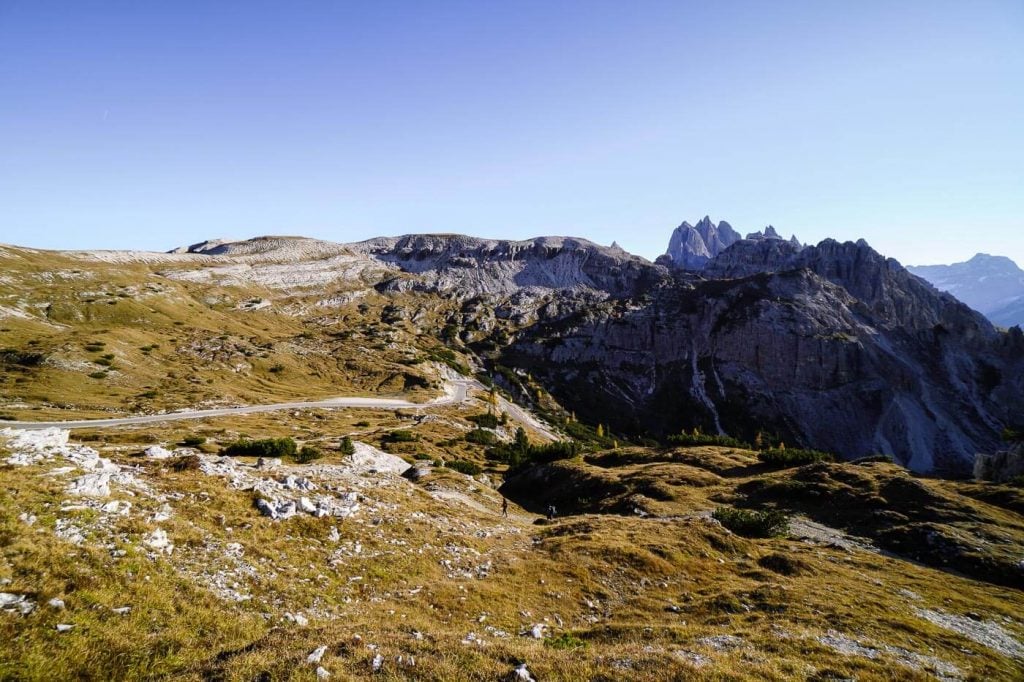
x=992, y=285
x=832, y=346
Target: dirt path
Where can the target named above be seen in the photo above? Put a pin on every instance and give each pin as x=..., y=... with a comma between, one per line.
x=455, y=392
x=455, y=496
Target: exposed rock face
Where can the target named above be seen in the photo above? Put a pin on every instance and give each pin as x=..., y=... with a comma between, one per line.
x=1002, y=466
x=470, y=266
x=992, y=285
x=692, y=246
x=831, y=346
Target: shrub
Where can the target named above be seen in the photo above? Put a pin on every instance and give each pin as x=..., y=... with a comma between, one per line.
x=465, y=467
x=148, y=394
x=791, y=457
x=522, y=452
x=755, y=524
x=98, y=375
x=105, y=362
x=277, y=369
x=362, y=424
x=565, y=641
x=696, y=439
x=399, y=436
x=12, y=356
x=481, y=437
x=346, y=447
x=268, y=447
x=193, y=441
x=308, y=453
x=485, y=421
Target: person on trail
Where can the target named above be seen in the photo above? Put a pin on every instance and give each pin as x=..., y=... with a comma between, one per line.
x=552, y=512
x=504, y=507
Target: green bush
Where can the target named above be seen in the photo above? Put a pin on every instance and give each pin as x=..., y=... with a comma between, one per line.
x=522, y=452
x=697, y=439
x=481, y=437
x=193, y=441
x=464, y=467
x=12, y=356
x=565, y=641
x=485, y=421
x=307, y=453
x=399, y=436
x=97, y=375
x=792, y=457
x=268, y=447
x=346, y=447
x=755, y=524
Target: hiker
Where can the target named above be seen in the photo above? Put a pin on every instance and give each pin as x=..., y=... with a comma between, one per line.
x=552, y=512
x=504, y=507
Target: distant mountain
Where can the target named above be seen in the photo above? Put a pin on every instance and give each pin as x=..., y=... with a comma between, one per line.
x=992, y=285
x=691, y=247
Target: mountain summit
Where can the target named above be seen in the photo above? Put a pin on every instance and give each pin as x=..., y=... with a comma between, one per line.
x=692, y=247
x=992, y=285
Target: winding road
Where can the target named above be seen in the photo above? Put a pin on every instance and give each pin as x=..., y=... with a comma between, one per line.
x=455, y=392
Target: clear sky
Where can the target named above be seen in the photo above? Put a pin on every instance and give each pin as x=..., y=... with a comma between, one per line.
x=155, y=124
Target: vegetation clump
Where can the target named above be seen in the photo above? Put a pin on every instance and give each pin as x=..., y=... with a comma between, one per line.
x=792, y=457
x=346, y=446
x=22, y=358
x=488, y=420
x=565, y=641
x=464, y=467
x=523, y=453
x=696, y=439
x=399, y=436
x=193, y=441
x=267, y=447
x=481, y=437
x=751, y=523
x=308, y=453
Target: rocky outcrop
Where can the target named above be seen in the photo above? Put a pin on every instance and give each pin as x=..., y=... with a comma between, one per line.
x=1002, y=466
x=691, y=246
x=833, y=346
x=469, y=266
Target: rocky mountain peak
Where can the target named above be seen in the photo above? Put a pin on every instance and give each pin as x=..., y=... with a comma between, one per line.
x=692, y=246
x=992, y=285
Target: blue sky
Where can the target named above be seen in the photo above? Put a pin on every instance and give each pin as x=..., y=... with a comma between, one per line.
x=150, y=125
